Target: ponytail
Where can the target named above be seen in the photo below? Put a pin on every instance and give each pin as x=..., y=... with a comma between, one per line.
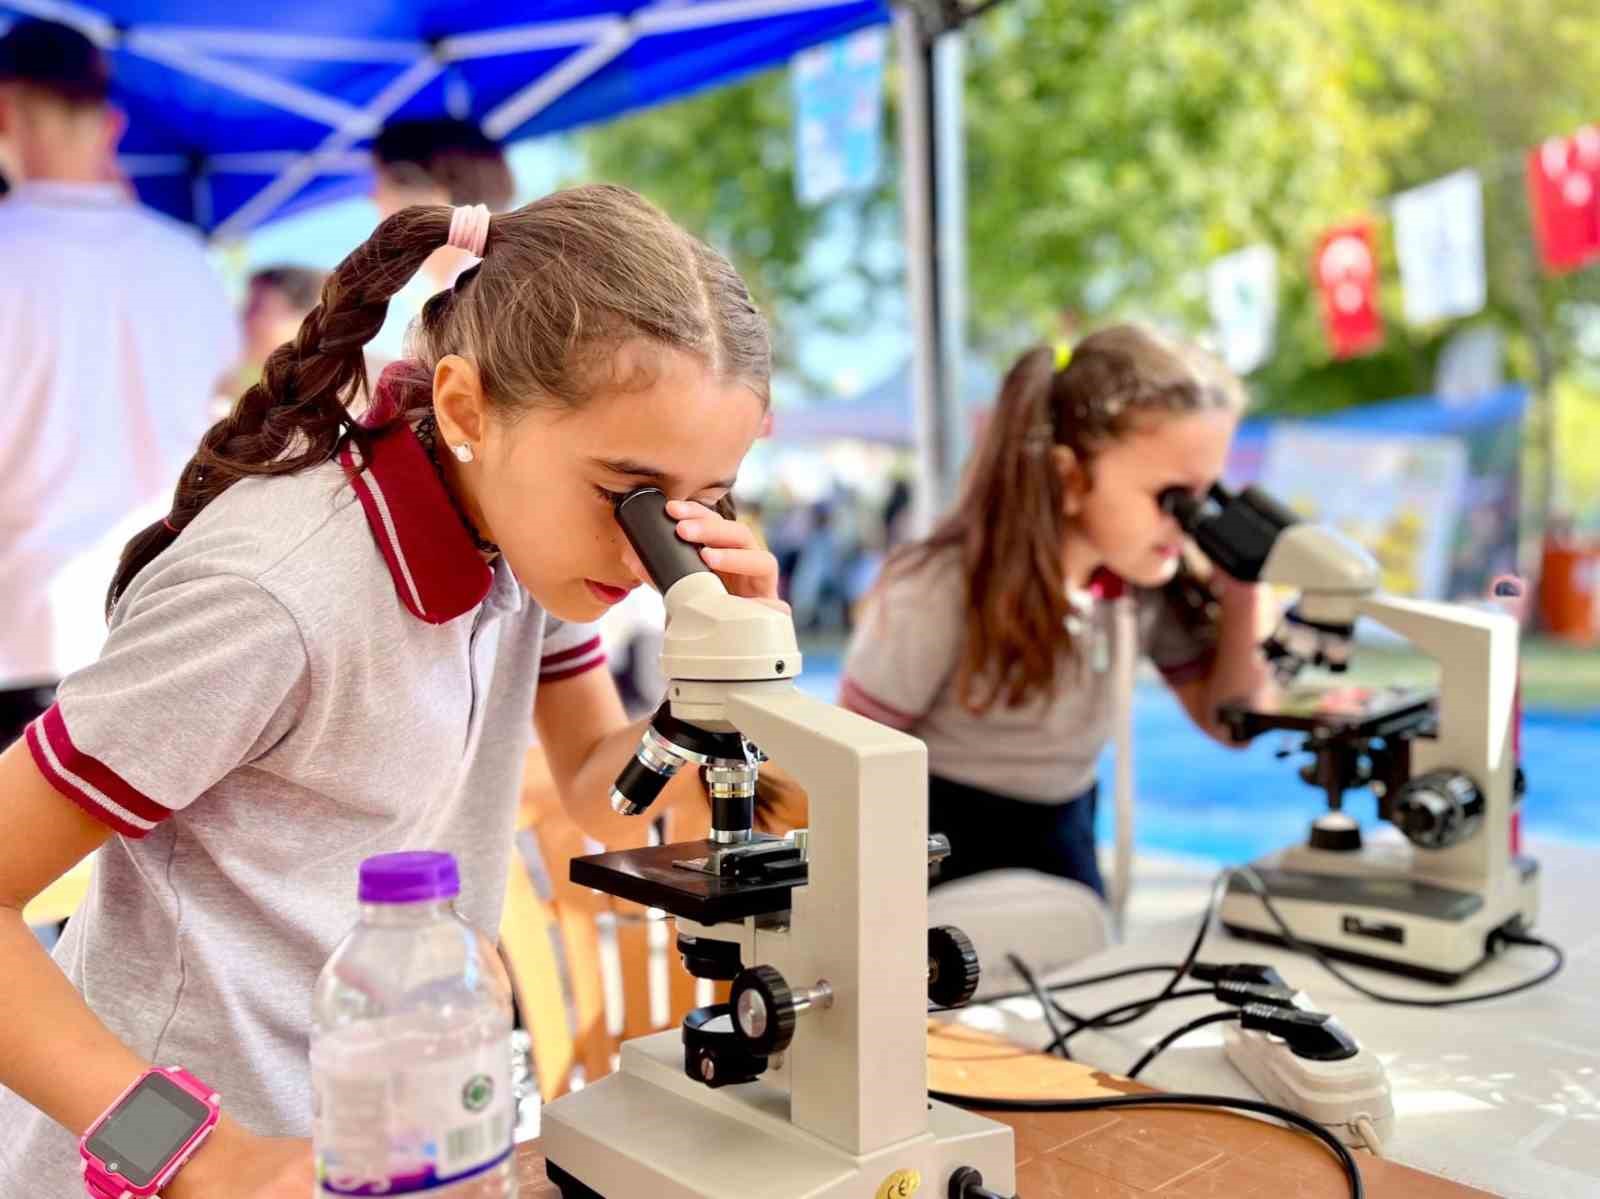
x=1010, y=524
x=1008, y=527
x=298, y=415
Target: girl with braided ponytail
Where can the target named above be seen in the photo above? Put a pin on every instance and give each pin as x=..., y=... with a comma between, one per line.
x=993, y=639
x=340, y=641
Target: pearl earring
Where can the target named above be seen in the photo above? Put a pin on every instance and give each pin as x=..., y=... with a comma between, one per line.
x=463, y=452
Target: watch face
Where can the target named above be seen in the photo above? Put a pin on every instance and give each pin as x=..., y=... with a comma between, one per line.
x=147, y=1128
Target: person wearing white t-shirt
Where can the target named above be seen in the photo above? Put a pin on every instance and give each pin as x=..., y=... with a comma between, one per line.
x=114, y=331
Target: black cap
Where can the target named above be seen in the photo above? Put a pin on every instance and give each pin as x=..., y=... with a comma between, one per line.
x=55, y=58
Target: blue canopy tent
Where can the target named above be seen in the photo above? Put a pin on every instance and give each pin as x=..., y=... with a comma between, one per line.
x=242, y=113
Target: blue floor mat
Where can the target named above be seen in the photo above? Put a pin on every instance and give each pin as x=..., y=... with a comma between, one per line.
x=1197, y=797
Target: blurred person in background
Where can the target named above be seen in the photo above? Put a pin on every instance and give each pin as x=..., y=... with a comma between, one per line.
x=114, y=335
x=438, y=161
x=993, y=639
x=277, y=299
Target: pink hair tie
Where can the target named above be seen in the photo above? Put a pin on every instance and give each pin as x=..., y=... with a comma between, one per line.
x=469, y=228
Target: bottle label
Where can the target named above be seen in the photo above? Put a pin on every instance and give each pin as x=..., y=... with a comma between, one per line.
x=422, y=1127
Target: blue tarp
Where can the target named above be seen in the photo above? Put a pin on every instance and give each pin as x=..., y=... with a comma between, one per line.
x=242, y=113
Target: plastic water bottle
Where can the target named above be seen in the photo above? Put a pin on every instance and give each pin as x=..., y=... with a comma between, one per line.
x=410, y=1045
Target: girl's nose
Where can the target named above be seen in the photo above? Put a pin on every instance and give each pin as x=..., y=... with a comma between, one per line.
x=630, y=561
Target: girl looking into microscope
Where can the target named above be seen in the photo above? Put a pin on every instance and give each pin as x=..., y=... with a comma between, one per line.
x=994, y=638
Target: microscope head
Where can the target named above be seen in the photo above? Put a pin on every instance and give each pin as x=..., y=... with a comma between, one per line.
x=713, y=640
x=1253, y=538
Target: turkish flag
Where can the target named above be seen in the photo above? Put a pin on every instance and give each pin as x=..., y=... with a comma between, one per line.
x=1564, y=192
x=1346, y=271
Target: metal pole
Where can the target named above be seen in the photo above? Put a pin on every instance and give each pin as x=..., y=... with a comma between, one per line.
x=933, y=198
x=916, y=198
x=950, y=265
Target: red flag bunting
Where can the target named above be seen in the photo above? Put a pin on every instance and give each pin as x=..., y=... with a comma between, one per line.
x=1346, y=271
x=1564, y=192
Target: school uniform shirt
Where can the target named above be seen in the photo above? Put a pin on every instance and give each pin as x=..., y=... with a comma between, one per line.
x=320, y=668
x=114, y=332
x=901, y=670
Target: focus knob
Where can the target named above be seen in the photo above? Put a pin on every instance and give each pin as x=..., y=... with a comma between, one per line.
x=952, y=966
x=764, y=1009
x=1438, y=809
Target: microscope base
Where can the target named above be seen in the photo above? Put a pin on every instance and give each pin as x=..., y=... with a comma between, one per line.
x=1381, y=918
x=649, y=1130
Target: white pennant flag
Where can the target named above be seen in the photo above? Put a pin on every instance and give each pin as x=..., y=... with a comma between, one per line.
x=1243, y=290
x=1438, y=232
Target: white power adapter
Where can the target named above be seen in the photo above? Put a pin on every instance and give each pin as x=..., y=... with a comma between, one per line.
x=1351, y=1097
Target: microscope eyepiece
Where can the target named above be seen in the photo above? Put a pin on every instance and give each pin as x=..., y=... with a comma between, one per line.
x=1182, y=505
x=642, y=513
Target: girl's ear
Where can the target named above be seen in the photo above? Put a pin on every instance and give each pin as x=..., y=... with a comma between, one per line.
x=1074, y=479
x=459, y=404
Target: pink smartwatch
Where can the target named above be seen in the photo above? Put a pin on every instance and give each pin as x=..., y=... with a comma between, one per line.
x=133, y=1150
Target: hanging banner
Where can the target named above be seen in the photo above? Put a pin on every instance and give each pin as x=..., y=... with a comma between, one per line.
x=1384, y=478
x=1395, y=494
x=838, y=116
x=1243, y=292
x=1564, y=193
x=1438, y=234
x=1346, y=271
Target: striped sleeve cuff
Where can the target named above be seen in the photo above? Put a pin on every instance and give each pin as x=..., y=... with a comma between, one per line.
x=568, y=663
x=89, y=782
x=853, y=697
x=1188, y=672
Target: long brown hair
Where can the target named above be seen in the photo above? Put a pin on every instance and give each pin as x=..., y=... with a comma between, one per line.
x=563, y=282
x=1009, y=524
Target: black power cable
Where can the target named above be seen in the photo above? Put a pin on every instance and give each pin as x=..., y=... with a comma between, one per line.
x=1178, y=1034
x=1176, y=1099
x=1184, y=966
x=1070, y=985
x=1047, y=1006
x=1259, y=888
x=1129, y=1012
x=1110, y=1018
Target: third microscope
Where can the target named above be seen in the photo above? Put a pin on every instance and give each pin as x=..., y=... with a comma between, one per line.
x=1429, y=903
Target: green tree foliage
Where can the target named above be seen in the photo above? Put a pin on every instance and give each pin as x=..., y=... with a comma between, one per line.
x=1116, y=146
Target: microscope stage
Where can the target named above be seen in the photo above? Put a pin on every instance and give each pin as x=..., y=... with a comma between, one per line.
x=1335, y=711
x=651, y=876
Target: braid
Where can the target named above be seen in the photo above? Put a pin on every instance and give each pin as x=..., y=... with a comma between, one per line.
x=298, y=415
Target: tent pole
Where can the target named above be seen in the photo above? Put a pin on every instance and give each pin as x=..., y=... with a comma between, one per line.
x=933, y=200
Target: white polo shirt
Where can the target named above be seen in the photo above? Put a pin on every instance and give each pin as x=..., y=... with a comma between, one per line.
x=320, y=668
x=113, y=333
x=903, y=659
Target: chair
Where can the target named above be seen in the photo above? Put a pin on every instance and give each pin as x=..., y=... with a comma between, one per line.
x=554, y=945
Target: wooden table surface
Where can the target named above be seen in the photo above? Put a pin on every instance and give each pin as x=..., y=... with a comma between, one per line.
x=1179, y=1153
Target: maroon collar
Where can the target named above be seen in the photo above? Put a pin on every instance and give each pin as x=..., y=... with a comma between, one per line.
x=1105, y=585
x=438, y=573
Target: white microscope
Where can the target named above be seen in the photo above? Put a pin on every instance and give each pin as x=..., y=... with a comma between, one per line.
x=812, y=1082
x=1431, y=903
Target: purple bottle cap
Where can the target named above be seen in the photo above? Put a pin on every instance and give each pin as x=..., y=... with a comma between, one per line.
x=414, y=877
